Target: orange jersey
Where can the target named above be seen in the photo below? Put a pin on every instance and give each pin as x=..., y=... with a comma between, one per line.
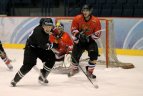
x=65, y=42
x=88, y=27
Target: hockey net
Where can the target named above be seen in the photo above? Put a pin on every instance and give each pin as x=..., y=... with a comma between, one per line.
x=106, y=44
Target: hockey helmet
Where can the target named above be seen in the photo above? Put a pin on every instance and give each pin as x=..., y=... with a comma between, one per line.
x=46, y=21
x=60, y=26
x=87, y=7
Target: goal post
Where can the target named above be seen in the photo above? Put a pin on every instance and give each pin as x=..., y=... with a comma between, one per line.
x=106, y=42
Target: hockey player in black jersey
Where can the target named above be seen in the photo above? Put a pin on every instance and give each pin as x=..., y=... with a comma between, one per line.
x=38, y=46
x=4, y=57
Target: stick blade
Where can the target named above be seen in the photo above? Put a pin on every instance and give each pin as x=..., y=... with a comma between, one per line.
x=96, y=86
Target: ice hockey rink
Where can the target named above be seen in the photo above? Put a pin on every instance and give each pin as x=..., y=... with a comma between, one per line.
x=111, y=81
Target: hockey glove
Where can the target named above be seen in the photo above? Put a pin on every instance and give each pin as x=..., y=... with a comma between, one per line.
x=51, y=45
x=82, y=37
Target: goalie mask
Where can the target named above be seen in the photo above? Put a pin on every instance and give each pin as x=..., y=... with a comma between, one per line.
x=60, y=28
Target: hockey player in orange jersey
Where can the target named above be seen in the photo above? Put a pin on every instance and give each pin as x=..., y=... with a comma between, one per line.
x=64, y=41
x=85, y=29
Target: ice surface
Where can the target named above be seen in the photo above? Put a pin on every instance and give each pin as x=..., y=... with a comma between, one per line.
x=111, y=81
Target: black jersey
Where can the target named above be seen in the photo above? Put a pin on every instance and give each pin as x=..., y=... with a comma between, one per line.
x=38, y=38
x=1, y=47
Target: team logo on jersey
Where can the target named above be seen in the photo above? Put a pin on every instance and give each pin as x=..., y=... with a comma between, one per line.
x=94, y=21
x=85, y=28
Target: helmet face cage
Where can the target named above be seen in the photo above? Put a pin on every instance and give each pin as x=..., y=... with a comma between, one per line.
x=60, y=26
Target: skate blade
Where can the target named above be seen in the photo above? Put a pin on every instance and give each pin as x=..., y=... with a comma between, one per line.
x=69, y=75
x=42, y=83
x=12, y=85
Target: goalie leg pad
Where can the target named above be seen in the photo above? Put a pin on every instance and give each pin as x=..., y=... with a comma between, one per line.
x=73, y=70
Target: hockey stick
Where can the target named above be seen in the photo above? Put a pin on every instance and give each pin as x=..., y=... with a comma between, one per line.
x=95, y=86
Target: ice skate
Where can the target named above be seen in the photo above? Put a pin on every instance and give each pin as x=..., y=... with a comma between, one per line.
x=7, y=62
x=43, y=78
x=92, y=76
x=13, y=83
x=89, y=72
x=9, y=66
